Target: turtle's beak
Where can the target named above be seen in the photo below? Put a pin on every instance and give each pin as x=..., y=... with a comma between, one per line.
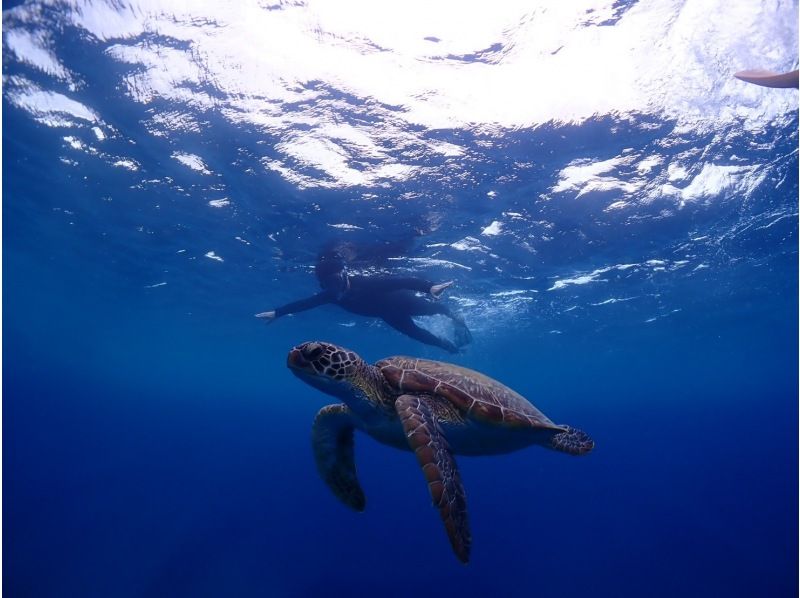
x=303, y=362
x=296, y=361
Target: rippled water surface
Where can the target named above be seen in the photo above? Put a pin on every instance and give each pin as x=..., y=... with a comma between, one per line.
x=619, y=215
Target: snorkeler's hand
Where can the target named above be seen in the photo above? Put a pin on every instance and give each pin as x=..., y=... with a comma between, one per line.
x=438, y=289
x=269, y=316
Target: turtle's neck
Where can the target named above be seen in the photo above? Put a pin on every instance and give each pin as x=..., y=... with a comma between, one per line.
x=371, y=397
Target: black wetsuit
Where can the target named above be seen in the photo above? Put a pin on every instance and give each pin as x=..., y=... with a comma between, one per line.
x=392, y=299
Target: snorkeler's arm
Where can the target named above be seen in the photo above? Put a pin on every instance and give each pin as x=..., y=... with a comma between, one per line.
x=303, y=304
x=387, y=284
x=769, y=78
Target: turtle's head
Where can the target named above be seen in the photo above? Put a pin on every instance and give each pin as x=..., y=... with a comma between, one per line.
x=329, y=368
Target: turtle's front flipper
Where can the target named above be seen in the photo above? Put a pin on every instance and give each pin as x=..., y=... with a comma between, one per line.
x=332, y=438
x=425, y=438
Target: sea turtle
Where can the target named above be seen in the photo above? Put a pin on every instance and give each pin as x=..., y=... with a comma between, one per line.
x=433, y=408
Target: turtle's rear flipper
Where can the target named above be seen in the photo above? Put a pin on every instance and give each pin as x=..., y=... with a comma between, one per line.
x=425, y=438
x=572, y=441
x=332, y=440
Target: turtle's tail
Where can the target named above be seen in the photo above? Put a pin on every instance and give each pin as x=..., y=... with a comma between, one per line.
x=572, y=441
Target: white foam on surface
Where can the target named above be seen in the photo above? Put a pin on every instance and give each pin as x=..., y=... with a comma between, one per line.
x=577, y=280
x=126, y=164
x=32, y=47
x=292, y=71
x=469, y=244
x=48, y=106
x=613, y=300
x=713, y=179
x=432, y=262
x=494, y=229
x=581, y=172
x=192, y=161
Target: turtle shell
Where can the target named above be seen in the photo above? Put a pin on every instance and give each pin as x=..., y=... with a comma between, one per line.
x=473, y=393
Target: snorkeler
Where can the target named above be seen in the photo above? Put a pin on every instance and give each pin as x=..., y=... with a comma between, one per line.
x=391, y=298
x=769, y=78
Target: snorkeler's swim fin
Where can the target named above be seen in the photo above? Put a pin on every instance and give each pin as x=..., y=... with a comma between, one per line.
x=769, y=78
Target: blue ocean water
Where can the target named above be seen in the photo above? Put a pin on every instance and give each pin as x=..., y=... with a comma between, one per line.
x=632, y=273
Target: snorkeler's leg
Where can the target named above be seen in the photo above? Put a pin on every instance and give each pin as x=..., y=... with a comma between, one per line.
x=463, y=335
x=417, y=306
x=422, y=307
x=407, y=326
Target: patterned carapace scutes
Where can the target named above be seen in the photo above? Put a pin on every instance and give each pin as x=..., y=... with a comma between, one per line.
x=467, y=394
x=473, y=393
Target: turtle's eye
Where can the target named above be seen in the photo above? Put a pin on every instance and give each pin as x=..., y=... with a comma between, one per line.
x=312, y=351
